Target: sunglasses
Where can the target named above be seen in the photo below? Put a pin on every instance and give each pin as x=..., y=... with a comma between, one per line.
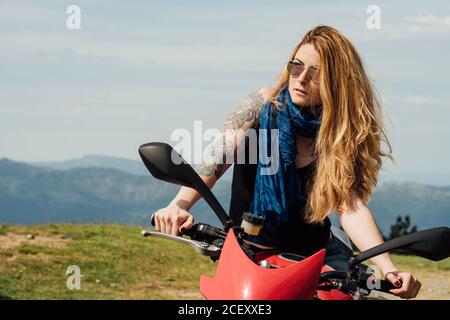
x=296, y=68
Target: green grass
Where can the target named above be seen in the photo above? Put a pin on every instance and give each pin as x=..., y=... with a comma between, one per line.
x=116, y=262
x=4, y=229
x=403, y=262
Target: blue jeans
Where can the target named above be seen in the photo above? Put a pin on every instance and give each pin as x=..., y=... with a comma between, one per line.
x=338, y=254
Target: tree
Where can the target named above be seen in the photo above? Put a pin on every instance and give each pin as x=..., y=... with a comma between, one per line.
x=400, y=228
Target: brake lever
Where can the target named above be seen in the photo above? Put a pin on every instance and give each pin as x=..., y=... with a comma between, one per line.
x=202, y=248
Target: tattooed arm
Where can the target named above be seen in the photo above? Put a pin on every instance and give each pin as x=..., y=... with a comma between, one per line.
x=175, y=218
x=221, y=151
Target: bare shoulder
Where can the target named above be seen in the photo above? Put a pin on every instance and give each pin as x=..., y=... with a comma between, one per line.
x=248, y=112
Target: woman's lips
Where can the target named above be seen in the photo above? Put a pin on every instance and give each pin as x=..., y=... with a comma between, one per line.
x=300, y=91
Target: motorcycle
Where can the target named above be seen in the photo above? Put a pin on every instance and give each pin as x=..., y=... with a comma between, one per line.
x=243, y=273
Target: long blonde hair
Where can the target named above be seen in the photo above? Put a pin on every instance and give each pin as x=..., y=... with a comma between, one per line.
x=348, y=144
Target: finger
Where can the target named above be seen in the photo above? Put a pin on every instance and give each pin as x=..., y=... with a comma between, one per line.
x=416, y=289
x=401, y=292
x=392, y=278
x=411, y=286
x=407, y=281
x=175, y=225
x=156, y=220
x=162, y=224
x=413, y=289
x=167, y=225
x=398, y=292
x=187, y=224
x=404, y=290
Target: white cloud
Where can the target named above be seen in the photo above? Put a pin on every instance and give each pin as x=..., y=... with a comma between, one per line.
x=426, y=100
x=429, y=19
x=24, y=15
x=428, y=24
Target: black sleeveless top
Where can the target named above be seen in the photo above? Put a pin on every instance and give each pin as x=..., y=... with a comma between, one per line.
x=295, y=234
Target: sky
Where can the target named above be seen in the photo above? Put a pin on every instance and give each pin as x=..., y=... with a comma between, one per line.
x=138, y=70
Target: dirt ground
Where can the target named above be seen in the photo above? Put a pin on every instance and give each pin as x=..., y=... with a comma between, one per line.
x=11, y=240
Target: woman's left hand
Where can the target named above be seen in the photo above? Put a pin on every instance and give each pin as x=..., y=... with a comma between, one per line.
x=408, y=285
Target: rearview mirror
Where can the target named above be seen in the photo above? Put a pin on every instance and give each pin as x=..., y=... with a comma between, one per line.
x=432, y=244
x=164, y=163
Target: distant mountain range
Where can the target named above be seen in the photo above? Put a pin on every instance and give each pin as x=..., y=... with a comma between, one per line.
x=136, y=167
x=97, y=161
x=94, y=190
x=88, y=161
x=32, y=194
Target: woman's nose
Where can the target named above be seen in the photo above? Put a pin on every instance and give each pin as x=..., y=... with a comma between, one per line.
x=304, y=76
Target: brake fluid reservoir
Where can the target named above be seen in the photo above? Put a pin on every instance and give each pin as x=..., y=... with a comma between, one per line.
x=252, y=223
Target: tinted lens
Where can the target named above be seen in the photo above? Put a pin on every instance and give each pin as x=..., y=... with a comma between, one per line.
x=295, y=68
x=314, y=75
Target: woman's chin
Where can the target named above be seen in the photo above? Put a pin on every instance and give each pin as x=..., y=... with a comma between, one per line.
x=300, y=101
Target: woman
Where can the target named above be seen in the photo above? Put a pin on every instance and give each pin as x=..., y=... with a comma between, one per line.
x=330, y=133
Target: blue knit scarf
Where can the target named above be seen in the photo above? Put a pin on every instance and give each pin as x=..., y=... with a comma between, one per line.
x=274, y=194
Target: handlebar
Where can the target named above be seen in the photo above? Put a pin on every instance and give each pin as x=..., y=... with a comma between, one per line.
x=205, y=239
x=385, y=286
x=357, y=283
x=200, y=231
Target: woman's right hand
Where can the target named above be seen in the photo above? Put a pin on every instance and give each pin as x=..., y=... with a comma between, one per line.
x=173, y=220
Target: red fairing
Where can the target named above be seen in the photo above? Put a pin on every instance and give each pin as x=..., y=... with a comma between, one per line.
x=239, y=278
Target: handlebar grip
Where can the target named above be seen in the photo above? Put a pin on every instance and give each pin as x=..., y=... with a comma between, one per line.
x=152, y=219
x=386, y=286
